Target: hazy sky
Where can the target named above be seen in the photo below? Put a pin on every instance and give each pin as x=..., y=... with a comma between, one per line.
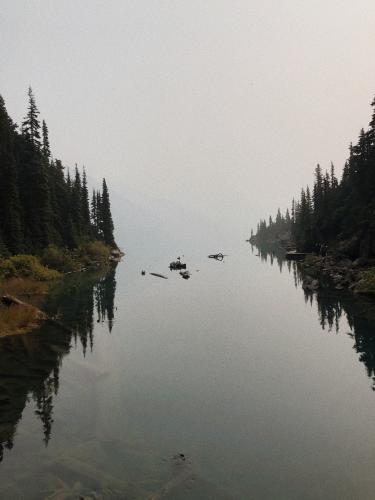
x=222, y=106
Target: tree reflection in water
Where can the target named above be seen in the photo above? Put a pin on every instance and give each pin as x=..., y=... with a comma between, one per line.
x=30, y=364
x=332, y=305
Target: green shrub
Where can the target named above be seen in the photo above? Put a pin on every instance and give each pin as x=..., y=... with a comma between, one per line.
x=26, y=266
x=58, y=258
x=94, y=251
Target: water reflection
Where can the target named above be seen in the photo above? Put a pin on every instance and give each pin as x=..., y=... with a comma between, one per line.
x=360, y=315
x=30, y=364
x=272, y=254
x=333, y=305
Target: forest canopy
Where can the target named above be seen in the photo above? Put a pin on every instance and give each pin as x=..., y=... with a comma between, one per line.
x=42, y=203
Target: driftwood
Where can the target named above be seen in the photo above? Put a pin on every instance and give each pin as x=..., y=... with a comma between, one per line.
x=9, y=300
x=159, y=275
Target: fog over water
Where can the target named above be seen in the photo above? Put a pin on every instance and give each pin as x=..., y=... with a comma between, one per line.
x=220, y=107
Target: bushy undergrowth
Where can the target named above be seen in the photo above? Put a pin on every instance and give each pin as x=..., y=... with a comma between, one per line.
x=94, y=251
x=58, y=258
x=26, y=266
x=53, y=261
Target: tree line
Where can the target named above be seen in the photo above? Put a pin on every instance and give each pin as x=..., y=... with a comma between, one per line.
x=41, y=202
x=338, y=215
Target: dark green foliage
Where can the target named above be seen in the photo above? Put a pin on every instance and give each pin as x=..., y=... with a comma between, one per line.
x=101, y=216
x=106, y=217
x=277, y=231
x=45, y=148
x=39, y=205
x=31, y=125
x=10, y=209
x=85, y=207
x=338, y=216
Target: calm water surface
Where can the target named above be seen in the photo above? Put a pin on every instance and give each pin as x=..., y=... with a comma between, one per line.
x=266, y=391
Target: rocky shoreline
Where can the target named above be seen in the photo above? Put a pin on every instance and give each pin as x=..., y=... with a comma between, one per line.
x=356, y=275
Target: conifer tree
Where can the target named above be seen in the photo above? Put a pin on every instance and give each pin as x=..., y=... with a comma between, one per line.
x=106, y=216
x=94, y=214
x=31, y=125
x=99, y=214
x=76, y=198
x=85, y=207
x=10, y=210
x=45, y=144
x=39, y=205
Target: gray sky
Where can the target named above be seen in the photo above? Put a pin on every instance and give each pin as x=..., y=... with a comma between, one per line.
x=222, y=106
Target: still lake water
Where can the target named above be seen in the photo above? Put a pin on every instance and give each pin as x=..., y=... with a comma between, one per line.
x=267, y=392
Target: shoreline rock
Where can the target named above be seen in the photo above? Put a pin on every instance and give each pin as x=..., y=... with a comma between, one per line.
x=357, y=276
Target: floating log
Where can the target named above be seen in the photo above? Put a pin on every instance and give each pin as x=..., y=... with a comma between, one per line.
x=159, y=275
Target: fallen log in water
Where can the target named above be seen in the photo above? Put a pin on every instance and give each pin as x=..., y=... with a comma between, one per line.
x=159, y=275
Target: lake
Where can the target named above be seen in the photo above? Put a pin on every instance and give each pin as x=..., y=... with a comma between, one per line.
x=233, y=384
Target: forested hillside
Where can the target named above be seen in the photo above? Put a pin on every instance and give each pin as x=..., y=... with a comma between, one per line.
x=337, y=215
x=41, y=203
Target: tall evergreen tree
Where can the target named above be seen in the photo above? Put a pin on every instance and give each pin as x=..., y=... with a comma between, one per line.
x=85, y=206
x=31, y=125
x=107, y=222
x=77, y=203
x=45, y=144
x=39, y=205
